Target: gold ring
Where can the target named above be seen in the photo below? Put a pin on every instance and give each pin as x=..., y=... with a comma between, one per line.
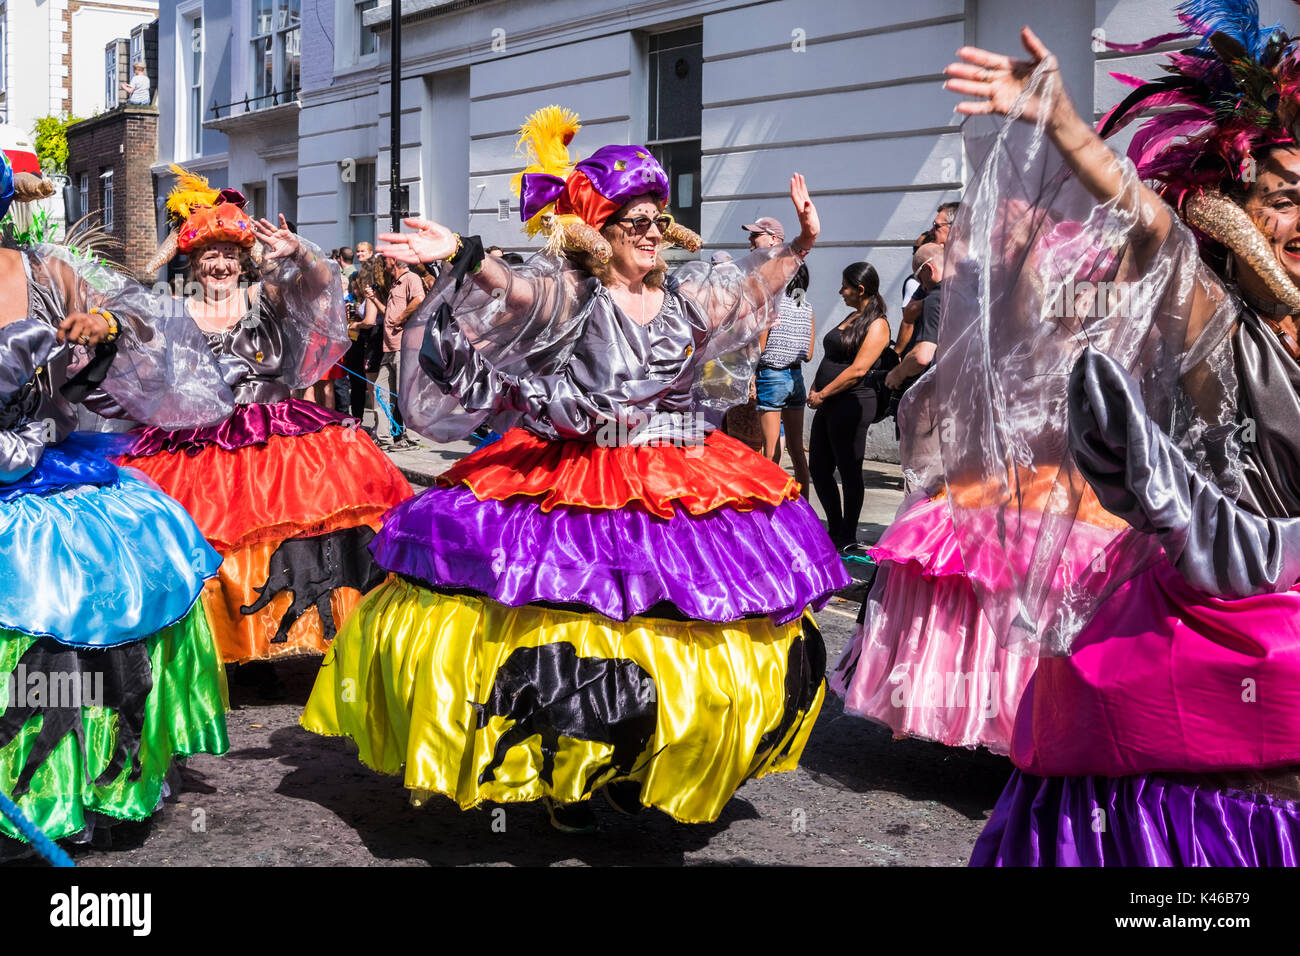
x=85, y=340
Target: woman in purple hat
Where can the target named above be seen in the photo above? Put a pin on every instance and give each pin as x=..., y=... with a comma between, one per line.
x=614, y=595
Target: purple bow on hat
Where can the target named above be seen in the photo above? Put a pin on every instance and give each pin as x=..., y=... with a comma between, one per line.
x=232, y=196
x=536, y=192
x=620, y=173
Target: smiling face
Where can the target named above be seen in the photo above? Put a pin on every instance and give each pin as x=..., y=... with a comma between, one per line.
x=853, y=295
x=1274, y=204
x=634, y=254
x=217, y=268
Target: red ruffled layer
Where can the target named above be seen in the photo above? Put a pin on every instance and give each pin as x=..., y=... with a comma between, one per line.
x=719, y=473
x=289, y=487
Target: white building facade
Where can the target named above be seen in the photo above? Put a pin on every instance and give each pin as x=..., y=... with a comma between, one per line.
x=52, y=54
x=733, y=97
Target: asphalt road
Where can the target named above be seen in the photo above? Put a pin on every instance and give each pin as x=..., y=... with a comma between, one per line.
x=285, y=797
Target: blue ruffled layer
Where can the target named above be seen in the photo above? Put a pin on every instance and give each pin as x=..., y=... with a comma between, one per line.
x=106, y=560
x=83, y=458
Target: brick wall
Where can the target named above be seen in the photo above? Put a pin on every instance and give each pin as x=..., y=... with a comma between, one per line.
x=124, y=140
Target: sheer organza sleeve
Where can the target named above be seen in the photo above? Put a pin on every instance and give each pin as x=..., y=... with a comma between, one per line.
x=468, y=338
x=740, y=300
x=308, y=306
x=1037, y=270
x=160, y=371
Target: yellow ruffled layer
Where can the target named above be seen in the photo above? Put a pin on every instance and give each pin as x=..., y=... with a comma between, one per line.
x=403, y=671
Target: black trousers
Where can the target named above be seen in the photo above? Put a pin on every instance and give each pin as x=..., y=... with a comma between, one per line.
x=362, y=359
x=839, y=443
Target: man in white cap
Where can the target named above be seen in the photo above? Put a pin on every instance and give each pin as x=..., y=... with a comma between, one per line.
x=764, y=232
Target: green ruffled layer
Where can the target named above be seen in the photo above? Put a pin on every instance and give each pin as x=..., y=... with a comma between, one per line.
x=184, y=715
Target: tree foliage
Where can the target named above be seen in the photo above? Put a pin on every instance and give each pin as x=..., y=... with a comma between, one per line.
x=51, y=136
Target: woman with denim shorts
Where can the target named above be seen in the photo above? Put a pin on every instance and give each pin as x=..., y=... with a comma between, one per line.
x=781, y=396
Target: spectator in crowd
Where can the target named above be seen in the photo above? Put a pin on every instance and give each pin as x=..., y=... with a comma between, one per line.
x=918, y=353
x=764, y=232
x=742, y=422
x=405, y=294
x=846, y=404
x=938, y=235
x=364, y=251
x=780, y=386
x=496, y=251
x=369, y=287
x=136, y=90
x=347, y=263
x=514, y=258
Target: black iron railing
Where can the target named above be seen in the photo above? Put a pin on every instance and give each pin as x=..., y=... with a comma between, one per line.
x=252, y=104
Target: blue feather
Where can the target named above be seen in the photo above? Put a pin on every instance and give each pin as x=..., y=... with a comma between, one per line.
x=1238, y=19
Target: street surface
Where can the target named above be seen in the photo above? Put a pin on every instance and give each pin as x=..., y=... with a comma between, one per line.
x=285, y=797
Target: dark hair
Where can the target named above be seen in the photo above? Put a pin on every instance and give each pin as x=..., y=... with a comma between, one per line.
x=514, y=258
x=800, y=280
x=923, y=239
x=863, y=274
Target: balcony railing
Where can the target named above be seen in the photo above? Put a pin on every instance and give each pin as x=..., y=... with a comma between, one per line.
x=252, y=104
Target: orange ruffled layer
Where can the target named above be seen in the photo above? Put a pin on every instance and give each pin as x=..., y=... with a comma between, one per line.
x=290, y=487
x=720, y=473
x=250, y=637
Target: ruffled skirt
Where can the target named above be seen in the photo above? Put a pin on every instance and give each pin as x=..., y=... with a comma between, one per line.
x=924, y=662
x=290, y=496
x=563, y=615
x=107, y=666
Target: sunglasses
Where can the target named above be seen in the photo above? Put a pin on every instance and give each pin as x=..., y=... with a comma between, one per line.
x=641, y=224
x=941, y=225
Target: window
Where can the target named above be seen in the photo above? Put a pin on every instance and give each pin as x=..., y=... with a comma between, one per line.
x=192, y=62
x=367, y=42
x=362, y=212
x=83, y=195
x=277, y=50
x=4, y=37
x=137, y=47
x=110, y=76
x=676, y=95
x=106, y=197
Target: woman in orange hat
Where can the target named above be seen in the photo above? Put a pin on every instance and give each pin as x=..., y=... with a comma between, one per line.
x=288, y=492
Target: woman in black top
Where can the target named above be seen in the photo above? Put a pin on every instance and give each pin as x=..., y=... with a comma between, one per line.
x=846, y=403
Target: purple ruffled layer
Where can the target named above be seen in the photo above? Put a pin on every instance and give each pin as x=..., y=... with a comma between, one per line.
x=717, y=567
x=1135, y=821
x=248, y=425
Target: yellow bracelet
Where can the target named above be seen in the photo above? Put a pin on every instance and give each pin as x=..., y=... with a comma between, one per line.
x=459, y=245
x=113, y=328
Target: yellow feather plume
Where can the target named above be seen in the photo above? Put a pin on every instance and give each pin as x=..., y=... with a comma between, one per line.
x=190, y=190
x=544, y=140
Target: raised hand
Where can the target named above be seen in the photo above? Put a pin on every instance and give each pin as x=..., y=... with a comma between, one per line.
x=280, y=243
x=994, y=82
x=430, y=242
x=810, y=225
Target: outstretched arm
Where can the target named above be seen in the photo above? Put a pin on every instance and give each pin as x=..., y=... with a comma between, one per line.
x=994, y=83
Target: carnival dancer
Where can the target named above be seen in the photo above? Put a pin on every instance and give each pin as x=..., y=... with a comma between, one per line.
x=290, y=493
x=107, y=666
x=613, y=594
x=1158, y=573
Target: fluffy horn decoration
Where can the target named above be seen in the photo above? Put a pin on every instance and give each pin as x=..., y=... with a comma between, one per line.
x=584, y=238
x=29, y=188
x=1224, y=221
x=679, y=235
x=165, y=254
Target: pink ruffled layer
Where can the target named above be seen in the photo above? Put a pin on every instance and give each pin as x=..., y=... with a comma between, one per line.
x=1165, y=678
x=926, y=664
x=922, y=534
